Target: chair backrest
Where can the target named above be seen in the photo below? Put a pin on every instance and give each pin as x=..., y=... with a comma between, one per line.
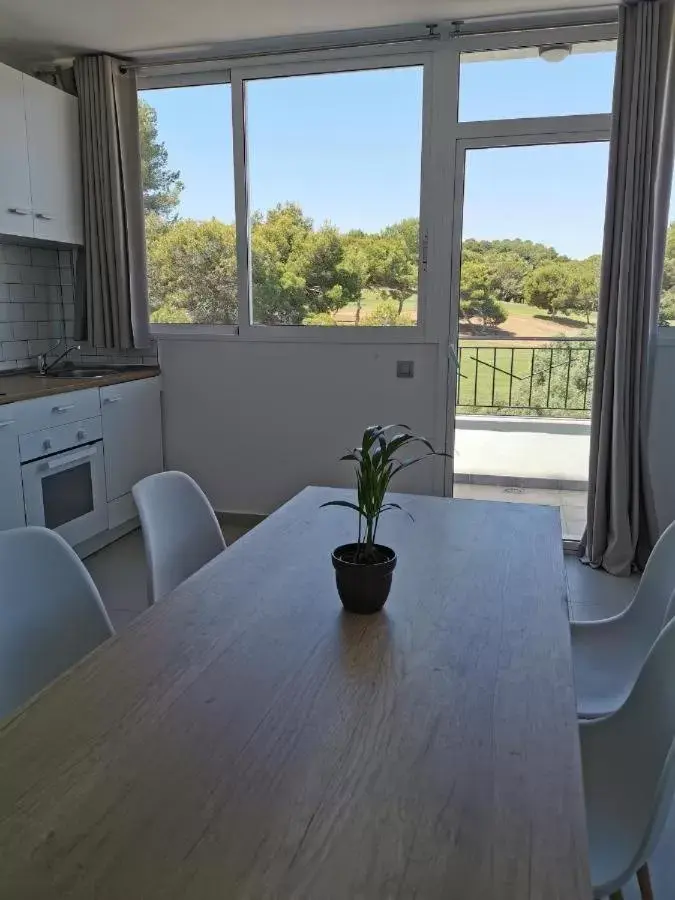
x=180, y=529
x=51, y=614
x=637, y=745
x=651, y=607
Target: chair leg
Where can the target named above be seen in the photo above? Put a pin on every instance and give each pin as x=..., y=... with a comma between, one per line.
x=645, y=883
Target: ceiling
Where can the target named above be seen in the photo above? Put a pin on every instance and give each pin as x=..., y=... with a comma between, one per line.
x=40, y=30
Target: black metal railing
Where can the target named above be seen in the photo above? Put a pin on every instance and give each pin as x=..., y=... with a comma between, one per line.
x=555, y=378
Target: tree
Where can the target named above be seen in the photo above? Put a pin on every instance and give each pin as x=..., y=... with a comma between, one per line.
x=192, y=271
x=390, y=268
x=509, y=271
x=386, y=313
x=298, y=271
x=476, y=294
x=161, y=185
x=548, y=287
x=562, y=379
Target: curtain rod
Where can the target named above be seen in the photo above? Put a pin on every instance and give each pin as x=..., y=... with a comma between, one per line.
x=432, y=35
x=475, y=26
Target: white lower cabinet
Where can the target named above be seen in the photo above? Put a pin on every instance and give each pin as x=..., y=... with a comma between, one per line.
x=12, y=513
x=112, y=436
x=132, y=437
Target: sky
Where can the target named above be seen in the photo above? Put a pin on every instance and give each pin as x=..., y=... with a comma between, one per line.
x=347, y=148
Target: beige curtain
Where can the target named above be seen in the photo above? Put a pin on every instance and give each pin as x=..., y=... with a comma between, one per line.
x=621, y=526
x=115, y=294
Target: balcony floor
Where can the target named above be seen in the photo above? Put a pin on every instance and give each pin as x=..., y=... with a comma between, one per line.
x=554, y=452
x=572, y=504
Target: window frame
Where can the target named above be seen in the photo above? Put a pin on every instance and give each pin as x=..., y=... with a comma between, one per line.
x=441, y=132
x=304, y=63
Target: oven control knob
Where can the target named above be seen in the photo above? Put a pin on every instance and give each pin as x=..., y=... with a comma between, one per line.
x=81, y=435
x=47, y=445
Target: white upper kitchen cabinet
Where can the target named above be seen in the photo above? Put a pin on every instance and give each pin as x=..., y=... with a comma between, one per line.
x=40, y=177
x=16, y=214
x=132, y=433
x=54, y=162
x=12, y=513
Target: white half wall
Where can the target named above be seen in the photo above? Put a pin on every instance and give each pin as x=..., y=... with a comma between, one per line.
x=255, y=422
x=662, y=430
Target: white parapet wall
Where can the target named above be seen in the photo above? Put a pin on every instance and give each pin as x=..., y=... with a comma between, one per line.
x=523, y=450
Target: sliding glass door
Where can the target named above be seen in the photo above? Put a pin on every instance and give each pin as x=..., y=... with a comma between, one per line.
x=531, y=211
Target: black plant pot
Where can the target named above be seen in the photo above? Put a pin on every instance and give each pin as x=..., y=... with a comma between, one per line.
x=363, y=587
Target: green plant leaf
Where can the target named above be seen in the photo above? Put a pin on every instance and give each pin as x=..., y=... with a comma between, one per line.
x=398, y=506
x=345, y=503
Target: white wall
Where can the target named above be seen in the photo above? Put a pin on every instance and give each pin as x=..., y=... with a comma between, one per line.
x=256, y=422
x=662, y=431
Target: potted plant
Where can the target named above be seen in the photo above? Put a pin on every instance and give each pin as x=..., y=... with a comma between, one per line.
x=363, y=570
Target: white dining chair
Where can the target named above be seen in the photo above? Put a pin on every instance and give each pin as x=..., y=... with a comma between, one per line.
x=628, y=762
x=180, y=530
x=608, y=654
x=51, y=614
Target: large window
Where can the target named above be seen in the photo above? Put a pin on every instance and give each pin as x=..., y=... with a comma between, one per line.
x=334, y=196
x=188, y=196
x=549, y=80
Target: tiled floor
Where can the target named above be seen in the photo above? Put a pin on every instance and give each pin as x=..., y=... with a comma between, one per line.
x=572, y=504
x=120, y=574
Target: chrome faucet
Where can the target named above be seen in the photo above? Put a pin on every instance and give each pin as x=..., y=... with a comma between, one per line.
x=43, y=367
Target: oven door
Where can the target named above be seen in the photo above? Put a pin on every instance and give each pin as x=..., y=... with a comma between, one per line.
x=66, y=492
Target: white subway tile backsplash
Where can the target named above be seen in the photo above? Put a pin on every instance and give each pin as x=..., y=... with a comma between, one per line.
x=42, y=257
x=24, y=331
x=40, y=275
x=68, y=293
x=11, y=312
x=10, y=273
x=14, y=349
x=36, y=312
x=40, y=346
x=52, y=331
x=16, y=255
x=21, y=292
x=37, y=309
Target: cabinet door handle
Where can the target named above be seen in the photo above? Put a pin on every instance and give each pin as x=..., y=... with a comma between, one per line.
x=62, y=409
x=112, y=399
x=44, y=216
x=6, y=423
x=19, y=210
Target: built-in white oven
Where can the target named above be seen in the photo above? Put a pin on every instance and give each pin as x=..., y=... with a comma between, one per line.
x=63, y=476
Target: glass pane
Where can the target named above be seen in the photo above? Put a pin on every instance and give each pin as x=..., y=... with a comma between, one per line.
x=334, y=184
x=67, y=495
x=515, y=84
x=667, y=305
x=529, y=284
x=188, y=195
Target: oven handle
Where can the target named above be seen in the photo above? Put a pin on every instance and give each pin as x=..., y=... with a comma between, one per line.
x=58, y=462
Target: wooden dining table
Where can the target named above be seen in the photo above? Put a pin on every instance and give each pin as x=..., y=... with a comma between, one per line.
x=245, y=739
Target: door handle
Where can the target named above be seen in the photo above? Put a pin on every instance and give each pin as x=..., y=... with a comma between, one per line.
x=59, y=462
x=62, y=409
x=6, y=423
x=112, y=399
x=44, y=216
x=19, y=210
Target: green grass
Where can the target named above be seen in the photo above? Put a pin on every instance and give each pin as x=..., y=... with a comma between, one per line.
x=525, y=311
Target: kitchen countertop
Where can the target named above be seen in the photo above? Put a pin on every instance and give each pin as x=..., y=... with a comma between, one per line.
x=29, y=385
